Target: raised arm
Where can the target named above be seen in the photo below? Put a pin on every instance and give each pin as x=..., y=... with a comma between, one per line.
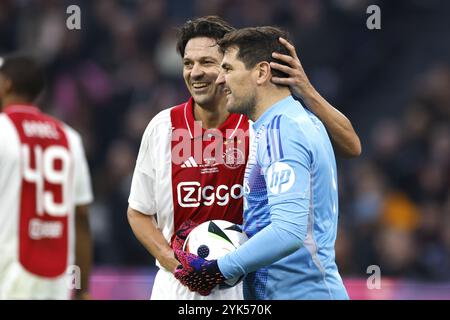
x=345, y=140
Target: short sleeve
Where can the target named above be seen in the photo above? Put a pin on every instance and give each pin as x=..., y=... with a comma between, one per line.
x=83, y=185
x=142, y=193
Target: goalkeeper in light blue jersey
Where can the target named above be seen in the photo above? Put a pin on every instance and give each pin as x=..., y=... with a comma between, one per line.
x=290, y=185
x=290, y=210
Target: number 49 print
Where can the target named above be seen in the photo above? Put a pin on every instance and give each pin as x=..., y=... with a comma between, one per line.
x=46, y=170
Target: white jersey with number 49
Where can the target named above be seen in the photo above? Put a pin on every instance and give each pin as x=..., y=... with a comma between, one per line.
x=43, y=176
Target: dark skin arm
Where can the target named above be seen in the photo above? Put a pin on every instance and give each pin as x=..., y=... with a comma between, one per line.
x=83, y=250
x=147, y=232
x=344, y=138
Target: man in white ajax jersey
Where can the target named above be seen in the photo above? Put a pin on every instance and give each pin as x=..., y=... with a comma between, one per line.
x=44, y=191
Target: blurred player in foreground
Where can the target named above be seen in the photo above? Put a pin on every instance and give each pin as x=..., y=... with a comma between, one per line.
x=290, y=186
x=45, y=190
x=192, y=157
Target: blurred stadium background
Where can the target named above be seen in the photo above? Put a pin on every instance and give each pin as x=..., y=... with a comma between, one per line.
x=111, y=77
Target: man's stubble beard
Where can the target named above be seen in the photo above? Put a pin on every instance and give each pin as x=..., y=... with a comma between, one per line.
x=211, y=102
x=246, y=106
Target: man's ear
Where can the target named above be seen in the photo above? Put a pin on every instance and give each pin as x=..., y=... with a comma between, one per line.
x=264, y=73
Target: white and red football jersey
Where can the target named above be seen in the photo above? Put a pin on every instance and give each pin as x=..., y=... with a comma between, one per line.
x=186, y=172
x=43, y=176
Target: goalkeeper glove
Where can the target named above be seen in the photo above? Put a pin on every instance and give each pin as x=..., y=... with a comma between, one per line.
x=197, y=273
x=182, y=233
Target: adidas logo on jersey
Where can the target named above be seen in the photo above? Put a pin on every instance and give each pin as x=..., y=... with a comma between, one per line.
x=190, y=163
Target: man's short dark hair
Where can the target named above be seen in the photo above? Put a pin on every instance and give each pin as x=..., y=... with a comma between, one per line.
x=210, y=26
x=26, y=75
x=255, y=45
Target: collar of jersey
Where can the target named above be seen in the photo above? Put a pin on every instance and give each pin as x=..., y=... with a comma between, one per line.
x=27, y=108
x=271, y=111
x=232, y=122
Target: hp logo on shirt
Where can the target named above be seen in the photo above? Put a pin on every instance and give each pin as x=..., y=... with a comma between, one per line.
x=280, y=177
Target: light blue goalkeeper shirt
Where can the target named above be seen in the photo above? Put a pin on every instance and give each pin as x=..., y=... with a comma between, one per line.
x=290, y=210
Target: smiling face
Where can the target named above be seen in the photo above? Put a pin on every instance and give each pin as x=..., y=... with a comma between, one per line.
x=239, y=83
x=201, y=63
